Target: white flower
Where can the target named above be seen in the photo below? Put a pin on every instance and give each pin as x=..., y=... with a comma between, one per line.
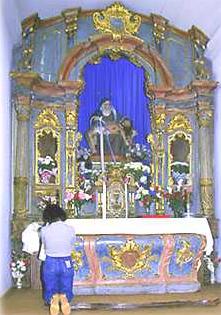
x=170, y=190
x=140, y=189
x=146, y=168
x=143, y=179
x=145, y=192
x=137, y=196
x=87, y=196
x=136, y=165
x=48, y=160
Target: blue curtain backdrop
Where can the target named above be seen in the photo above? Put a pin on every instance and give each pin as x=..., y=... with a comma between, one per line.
x=123, y=84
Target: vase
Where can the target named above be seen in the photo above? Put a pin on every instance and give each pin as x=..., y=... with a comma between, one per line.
x=19, y=282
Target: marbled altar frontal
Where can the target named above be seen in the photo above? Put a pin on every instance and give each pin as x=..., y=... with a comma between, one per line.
x=112, y=260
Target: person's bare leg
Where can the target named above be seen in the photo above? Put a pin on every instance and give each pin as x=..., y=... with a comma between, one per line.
x=54, y=306
x=65, y=306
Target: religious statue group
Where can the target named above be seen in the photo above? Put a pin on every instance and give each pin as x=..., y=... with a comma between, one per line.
x=117, y=131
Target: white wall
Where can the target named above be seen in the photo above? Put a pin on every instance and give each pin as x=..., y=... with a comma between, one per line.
x=214, y=54
x=9, y=30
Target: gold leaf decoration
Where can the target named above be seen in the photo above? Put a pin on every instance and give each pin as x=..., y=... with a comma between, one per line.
x=184, y=254
x=131, y=258
x=179, y=121
x=117, y=21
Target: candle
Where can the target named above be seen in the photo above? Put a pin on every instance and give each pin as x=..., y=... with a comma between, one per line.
x=104, y=200
x=126, y=200
x=104, y=194
x=188, y=205
x=102, y=147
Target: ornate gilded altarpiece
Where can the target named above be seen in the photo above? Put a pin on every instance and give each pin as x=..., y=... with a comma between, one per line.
x=47, y=81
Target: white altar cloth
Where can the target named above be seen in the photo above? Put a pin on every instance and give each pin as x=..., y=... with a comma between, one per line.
x=144, y=226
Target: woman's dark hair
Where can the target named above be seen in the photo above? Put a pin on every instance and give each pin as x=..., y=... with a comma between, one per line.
x=53, y=213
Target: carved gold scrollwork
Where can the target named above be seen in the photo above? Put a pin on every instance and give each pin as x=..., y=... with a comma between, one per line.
x=20, y=188
x=115, y=53
x=117, y=21
x=70, y=18
x=198, y=37
x=206, y=185
x=160, y=120
x=201, y=72
x=71, y=118
x=179, y=121
x=115, y=193
x=184, y=254
x=131, y=258
x=29, y=26
x=78, y=259
x=204, y=114
x=159, y=27
x=22, y=107
x=47, y=119
x=156, y=140
x=200, y=41
x=72, y=141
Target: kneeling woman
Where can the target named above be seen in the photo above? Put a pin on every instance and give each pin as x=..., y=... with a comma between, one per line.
x=57, y=272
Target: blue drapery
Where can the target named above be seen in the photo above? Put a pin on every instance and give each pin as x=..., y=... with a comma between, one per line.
x=122, y=83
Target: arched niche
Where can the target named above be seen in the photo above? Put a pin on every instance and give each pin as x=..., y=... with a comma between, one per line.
x=129, y=46
x=180, y=148
x=47, y=148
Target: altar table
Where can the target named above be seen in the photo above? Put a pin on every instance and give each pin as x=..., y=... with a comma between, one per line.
x=139, y=255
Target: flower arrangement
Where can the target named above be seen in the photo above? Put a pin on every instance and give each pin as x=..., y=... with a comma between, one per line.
x=180, y=172
x=139, y=153
x=83, y=154
x=140, y=173
x=47, y=169
x=149, y=195
x=19, y=266
x=44, y=200
x=178, y=197
x=88, y=178
x=78, y=199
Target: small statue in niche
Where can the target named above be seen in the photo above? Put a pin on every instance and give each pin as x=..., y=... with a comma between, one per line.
x=180, y=151
x=117, y=131
x=47, y=165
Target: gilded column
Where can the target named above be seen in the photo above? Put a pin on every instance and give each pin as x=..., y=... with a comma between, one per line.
x=22, y=106
x=73, y=138
x=156, y=141
x=205, y=120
